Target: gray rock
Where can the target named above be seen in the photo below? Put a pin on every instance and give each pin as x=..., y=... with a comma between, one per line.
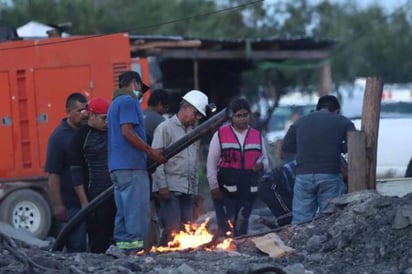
x=314, y=244
x=407, y=271
x=403, y=217
x=358, y=196
x=296, y=269
x=22, y=235
x=185, y=269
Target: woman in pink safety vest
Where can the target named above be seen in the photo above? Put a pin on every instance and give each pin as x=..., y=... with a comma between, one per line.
x=236, y=158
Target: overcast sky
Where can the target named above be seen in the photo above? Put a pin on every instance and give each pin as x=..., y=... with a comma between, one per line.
x=389, y=5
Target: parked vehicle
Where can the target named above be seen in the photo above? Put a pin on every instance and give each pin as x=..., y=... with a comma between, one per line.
x=36, y=76
x=394, y=136
x=279, y=120
x=291, y=106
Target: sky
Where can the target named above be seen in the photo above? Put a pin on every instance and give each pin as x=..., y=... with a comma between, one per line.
x=389, y=5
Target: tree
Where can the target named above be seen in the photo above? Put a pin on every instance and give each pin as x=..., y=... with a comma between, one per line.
x=370, y=42
x=174, y=17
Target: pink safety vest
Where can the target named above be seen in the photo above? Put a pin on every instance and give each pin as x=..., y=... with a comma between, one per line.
x=232, y=155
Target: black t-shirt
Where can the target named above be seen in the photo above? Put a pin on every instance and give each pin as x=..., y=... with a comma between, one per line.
x=57, y=162
x=151, y=120
x=88, y=160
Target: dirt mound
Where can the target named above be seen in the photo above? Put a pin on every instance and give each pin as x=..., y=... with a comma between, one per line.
x=368, y=233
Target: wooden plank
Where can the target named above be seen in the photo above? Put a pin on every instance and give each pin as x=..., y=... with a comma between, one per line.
x=325, y=79
x=196, y=73
x=356, y=161
x=142, y=45
x=238, y=54
x=277, y=151
x=370, y=125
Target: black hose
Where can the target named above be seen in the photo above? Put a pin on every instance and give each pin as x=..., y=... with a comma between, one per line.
x=268, y=269
x=79, y=217
x=210, y=125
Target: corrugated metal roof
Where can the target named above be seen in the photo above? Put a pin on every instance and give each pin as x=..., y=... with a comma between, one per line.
x=297, y=43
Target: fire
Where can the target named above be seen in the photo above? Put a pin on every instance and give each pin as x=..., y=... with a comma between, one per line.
x=194, y=236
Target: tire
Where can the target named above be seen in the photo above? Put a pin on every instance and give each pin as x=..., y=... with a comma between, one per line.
x=27, y=209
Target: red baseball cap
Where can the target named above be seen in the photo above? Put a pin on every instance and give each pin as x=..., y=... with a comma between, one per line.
x=98, y=105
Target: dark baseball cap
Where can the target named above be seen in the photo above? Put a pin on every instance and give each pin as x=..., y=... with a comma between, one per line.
x=126, y=77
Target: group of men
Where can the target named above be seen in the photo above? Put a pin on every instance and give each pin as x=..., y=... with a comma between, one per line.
x=102, y=143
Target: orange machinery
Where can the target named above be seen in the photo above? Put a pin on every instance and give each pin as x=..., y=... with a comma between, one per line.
x=36, y=76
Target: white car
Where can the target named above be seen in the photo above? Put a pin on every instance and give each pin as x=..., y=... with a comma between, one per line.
x=394, y=149
x=278, y=121
x=394, y=137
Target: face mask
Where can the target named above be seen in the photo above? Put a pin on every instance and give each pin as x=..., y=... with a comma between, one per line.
x=139, y=95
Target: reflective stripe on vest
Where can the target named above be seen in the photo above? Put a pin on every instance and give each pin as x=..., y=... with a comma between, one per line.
x=231, y=188
x=232, y=155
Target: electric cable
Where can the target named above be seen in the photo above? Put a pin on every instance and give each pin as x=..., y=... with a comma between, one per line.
x=210, y=13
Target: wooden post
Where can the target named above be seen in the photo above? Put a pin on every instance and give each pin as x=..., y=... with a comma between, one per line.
x=278, y=152
x=325, y=79
x=370, y=125
x=356, y=161
x=196, y=74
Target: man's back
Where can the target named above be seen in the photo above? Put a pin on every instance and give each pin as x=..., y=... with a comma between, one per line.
x=318, y=139
x=151, y=120
x=122, y=154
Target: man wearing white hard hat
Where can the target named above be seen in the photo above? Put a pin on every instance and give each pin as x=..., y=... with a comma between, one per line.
x=176, y=182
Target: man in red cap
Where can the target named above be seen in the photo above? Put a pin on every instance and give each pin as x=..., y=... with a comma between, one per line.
x=88, y=155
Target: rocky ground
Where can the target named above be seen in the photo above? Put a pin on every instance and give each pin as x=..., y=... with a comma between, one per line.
x=368, y=233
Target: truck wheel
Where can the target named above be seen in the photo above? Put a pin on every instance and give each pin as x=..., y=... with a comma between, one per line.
x=27, y=209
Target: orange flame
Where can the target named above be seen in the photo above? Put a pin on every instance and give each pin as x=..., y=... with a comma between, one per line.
x=193, y=236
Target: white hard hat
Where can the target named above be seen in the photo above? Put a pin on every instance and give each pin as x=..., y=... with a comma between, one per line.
x=198, y=100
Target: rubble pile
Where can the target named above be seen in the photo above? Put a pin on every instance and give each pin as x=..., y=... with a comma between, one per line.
x=367, y=233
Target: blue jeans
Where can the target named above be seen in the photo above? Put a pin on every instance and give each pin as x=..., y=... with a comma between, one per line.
x=77, y=239
x=175, y=212
x=132, y=198
x=312, y=193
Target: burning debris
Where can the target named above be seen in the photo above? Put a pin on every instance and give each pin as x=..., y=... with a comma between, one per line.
x=195, y=237
x=368, y=233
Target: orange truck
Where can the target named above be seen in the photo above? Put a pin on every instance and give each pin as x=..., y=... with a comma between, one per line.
x=36, y=76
